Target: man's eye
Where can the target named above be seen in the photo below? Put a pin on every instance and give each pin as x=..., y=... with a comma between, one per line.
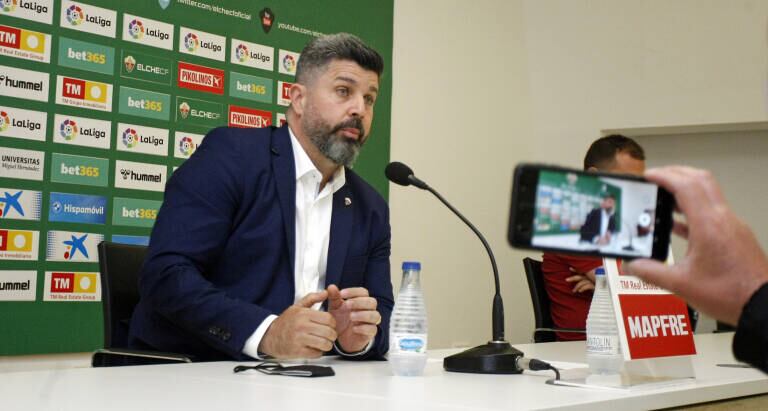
x=369, y=100
x=342, y=91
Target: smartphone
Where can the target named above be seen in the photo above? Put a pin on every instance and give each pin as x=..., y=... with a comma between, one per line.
x=598, y=214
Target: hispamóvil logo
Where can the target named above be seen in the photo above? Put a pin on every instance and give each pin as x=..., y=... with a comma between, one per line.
x=5, y=121
x=130, y=138
x=136, y=29
x=75, y=15
x=191, y=42
x=68, y=129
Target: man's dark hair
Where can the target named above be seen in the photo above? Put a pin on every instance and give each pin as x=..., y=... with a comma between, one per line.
x=602, y=152
x=608, y=194
x=319, y=52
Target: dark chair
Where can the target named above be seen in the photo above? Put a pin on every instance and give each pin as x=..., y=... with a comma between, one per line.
x=545, y=328
x=119, y=266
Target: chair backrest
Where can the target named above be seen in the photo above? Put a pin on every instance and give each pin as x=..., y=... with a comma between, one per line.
x=539, y=299
x=119, y=265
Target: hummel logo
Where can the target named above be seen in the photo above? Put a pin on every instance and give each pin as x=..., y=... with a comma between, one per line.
x=125, y=173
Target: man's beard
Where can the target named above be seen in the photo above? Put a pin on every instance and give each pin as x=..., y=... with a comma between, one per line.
x=339, y=149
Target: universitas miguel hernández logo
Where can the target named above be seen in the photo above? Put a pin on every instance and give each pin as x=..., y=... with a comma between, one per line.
x=75, y=15
x=136, y=29
x=191, y=42
x=130, y=138
x=5, y=121
x=68, y=129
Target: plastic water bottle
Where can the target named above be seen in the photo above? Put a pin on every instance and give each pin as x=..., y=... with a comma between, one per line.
x=603, y=352
x=408, y=326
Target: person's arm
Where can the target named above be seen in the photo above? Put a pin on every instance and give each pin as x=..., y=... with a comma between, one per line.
x=750, y=344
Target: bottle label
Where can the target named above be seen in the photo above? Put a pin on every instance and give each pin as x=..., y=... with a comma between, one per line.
x=409, y=343
x=603, y=344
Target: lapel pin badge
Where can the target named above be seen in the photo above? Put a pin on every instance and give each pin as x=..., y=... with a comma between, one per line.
x=347, y=201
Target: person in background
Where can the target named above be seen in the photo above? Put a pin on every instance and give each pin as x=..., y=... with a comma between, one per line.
x=570, y=280
x=600, y=223
x=724, y=272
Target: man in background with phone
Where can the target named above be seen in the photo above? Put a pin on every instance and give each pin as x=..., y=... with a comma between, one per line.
x=569, y=279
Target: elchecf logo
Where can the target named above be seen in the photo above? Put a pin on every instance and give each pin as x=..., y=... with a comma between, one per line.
x=75, y=15
x=25, y=44
x=23, y=124
x=68, y=129
x=136, y=29
x=5, y=121
x=191, y=42
x=130, y=63
x=184, y=110
x=20, y=204
x=38, y=10
x=18, y=245
x=130, y=138
x=71, y=286
x=198, y=112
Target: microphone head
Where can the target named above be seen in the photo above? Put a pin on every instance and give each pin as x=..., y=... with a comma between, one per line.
x=398, y=173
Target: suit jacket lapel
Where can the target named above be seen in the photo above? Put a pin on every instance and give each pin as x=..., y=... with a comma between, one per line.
x=284, y=168
x=341, y=231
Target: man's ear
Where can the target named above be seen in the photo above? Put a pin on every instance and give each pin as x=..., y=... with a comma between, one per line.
x=298, y=95
x=592, y=169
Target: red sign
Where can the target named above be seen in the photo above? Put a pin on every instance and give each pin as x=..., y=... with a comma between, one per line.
x=10, y=37
x=62, y=282
x=249, y=118
x=200, y=78
x=73, y=88
x=656, y=326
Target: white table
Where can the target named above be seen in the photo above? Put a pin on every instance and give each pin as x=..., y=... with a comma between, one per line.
x=364, y=386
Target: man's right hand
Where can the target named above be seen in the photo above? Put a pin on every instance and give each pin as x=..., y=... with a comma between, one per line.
x=300, y=331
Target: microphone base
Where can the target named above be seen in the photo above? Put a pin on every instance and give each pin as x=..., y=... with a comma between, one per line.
x=495, y=357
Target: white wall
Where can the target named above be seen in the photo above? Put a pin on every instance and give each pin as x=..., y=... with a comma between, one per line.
x=482, y=85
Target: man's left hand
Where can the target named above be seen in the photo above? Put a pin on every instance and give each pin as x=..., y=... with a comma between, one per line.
x=356, y=317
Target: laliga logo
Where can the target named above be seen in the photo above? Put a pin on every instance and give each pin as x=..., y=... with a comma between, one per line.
x=68, y=129
x=184, y=109
x=289, y=63
x=9, y=5
x=74, y=15
x=130, y=63
x=136, y=29
x=242, y=53
x=186, y=146
x=191, y=42
x=5, y=121
x=130, y=139
x=125, y=173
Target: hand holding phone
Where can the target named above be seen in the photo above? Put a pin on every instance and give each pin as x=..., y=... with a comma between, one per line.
x=599, y=214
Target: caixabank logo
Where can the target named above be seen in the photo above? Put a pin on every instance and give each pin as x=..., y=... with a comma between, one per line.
x=40, y=11
x=18, y=245
x=191, y=111
x=140, y=176
x=250, y=87
x=18, y=285
x=142, y=139
x=200, y=78
x=16, y=204
x=76, y=92
x=87, y=18
x=26, y=84
x=25, y=44
x=252, y=55
x=186, y=143
x=144, y=103
x=135, y=212
x=71, y=286
x=287, y=61
x=82, y=55
x=81, y=131
x=202, y=44
x=72, y=247
x=148, y=32
x=22, y=164
x=77, y=208
x=146, y=67
x=245, y=117
x=71, y=169
x=23, y=124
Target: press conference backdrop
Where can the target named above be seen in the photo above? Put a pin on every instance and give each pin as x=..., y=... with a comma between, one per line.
x=100, y=101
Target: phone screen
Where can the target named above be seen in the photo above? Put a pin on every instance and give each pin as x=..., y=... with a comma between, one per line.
x=594, y=213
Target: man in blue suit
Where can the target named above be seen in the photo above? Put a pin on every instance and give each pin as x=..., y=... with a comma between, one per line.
x=267, y=244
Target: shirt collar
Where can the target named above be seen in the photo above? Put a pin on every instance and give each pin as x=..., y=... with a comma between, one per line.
x=304, y=165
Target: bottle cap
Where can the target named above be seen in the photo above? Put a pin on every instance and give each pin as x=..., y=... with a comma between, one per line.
x=599, y=271
x=411, y=265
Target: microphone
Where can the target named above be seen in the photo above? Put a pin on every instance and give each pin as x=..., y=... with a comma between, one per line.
x=497, y=356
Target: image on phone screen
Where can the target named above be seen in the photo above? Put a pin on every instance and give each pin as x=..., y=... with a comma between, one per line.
x=594, y=213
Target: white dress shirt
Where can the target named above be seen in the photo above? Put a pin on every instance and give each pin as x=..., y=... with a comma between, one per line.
x=605, y=217
x=314, y=208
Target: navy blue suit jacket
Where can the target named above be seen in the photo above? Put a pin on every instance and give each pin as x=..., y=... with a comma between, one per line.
x=221, y=254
